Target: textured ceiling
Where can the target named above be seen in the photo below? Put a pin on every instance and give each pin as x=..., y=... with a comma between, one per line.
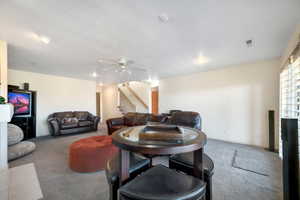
x=82, y=31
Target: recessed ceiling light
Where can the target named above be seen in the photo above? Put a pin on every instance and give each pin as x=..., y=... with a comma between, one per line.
x=39, y=38
x=94, y=74
x=45, y=39
x=200, y=60
x=163, y=17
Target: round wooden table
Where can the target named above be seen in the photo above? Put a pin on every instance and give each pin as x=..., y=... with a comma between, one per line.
x=129, y=140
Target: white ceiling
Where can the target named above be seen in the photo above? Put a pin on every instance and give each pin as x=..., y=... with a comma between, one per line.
x=82, y=31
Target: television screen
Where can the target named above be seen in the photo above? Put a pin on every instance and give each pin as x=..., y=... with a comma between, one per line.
x=21, y=102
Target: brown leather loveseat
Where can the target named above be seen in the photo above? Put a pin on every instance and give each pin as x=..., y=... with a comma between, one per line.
x=181, y=118
x=62, y=123
x=133, y=119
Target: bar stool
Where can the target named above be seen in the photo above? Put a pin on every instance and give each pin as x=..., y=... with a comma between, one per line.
x=184, y=163
x=162, y=183
x=138, y=164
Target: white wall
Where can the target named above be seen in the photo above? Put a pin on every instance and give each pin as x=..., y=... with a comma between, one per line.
x=295, y=37
x=110, y=98
x=233, y=102
x=55, y=94
x=142, y=89
x=3, y=125
x=3, y=69
x=110, y=101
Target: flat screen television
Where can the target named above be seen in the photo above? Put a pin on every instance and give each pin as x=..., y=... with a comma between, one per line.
x=22, y=103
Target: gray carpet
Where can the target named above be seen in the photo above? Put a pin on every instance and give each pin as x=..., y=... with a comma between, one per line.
x=255, y=162
x=58, y=182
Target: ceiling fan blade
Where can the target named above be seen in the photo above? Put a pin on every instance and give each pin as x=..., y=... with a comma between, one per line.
x=111, y=67
x=137, y=69
x=110, y=62
x=130, y=62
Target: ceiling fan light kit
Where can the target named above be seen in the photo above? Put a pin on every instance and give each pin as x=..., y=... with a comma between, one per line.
x=121, y=65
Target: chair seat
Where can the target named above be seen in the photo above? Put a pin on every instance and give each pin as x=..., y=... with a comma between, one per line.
x=187, y=160
x=136, y=163
x=162, y=183
x=85, y=123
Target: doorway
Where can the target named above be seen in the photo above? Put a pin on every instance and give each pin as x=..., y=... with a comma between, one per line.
x=154, y=100
x=98, y=104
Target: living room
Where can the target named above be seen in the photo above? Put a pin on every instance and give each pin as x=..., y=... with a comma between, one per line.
x=83, y=105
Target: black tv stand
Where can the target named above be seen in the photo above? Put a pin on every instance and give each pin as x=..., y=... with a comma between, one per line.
x=27, y=124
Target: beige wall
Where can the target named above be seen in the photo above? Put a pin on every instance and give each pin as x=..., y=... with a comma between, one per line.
x=55, y=94
x=233, y=102
x=3, y=125
x=3, y=69
x=143, y=90
x=110, y=101
x=110, y=98
x=295, y=38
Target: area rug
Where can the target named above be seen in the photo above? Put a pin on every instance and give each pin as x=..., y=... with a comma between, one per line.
x=251, y=161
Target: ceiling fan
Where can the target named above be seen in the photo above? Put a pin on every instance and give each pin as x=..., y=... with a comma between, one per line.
x=121, y=65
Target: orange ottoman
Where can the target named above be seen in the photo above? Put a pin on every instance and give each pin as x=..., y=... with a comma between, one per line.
x=91, y=154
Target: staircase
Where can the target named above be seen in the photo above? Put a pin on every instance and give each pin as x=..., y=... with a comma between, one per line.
x=125, y=104
x=132, y=97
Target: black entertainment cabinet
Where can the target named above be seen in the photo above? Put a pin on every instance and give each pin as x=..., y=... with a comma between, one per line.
x=26, y=123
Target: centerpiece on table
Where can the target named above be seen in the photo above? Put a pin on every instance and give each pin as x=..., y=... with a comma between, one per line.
x=161, y=133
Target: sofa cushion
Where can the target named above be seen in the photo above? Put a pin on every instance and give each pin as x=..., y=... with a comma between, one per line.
x=136, y=119
x=129, y=119
x=81, y=115
x=61, y=115
x=69, y=122
x=68, y=126
x=186, y=118
x=141, y=119
x=158, y=118
x=85, y=123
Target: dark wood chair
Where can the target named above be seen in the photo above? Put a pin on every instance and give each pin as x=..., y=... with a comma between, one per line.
x=138, y=164
x=163, y=183
x=184, y=163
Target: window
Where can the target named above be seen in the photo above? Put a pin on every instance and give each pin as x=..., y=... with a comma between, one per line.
x=290, y=92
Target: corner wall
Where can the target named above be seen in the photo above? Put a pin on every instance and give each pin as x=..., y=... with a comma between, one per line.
x=291, y=45
x=3, y=125
x=56, y=94
x=3, y=69
x=110, y=101
x=233, y=102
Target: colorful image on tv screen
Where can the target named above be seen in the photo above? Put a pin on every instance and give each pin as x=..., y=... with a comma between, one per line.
x=21, y=102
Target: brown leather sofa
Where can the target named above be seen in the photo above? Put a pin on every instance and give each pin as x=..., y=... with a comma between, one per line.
x=181, y=118
x=62, y=123
x=133, y=119
x=186, y=118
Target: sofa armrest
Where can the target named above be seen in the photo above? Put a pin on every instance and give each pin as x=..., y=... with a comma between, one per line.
x=114, y=122
x=54, y=126
x=95, y=120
